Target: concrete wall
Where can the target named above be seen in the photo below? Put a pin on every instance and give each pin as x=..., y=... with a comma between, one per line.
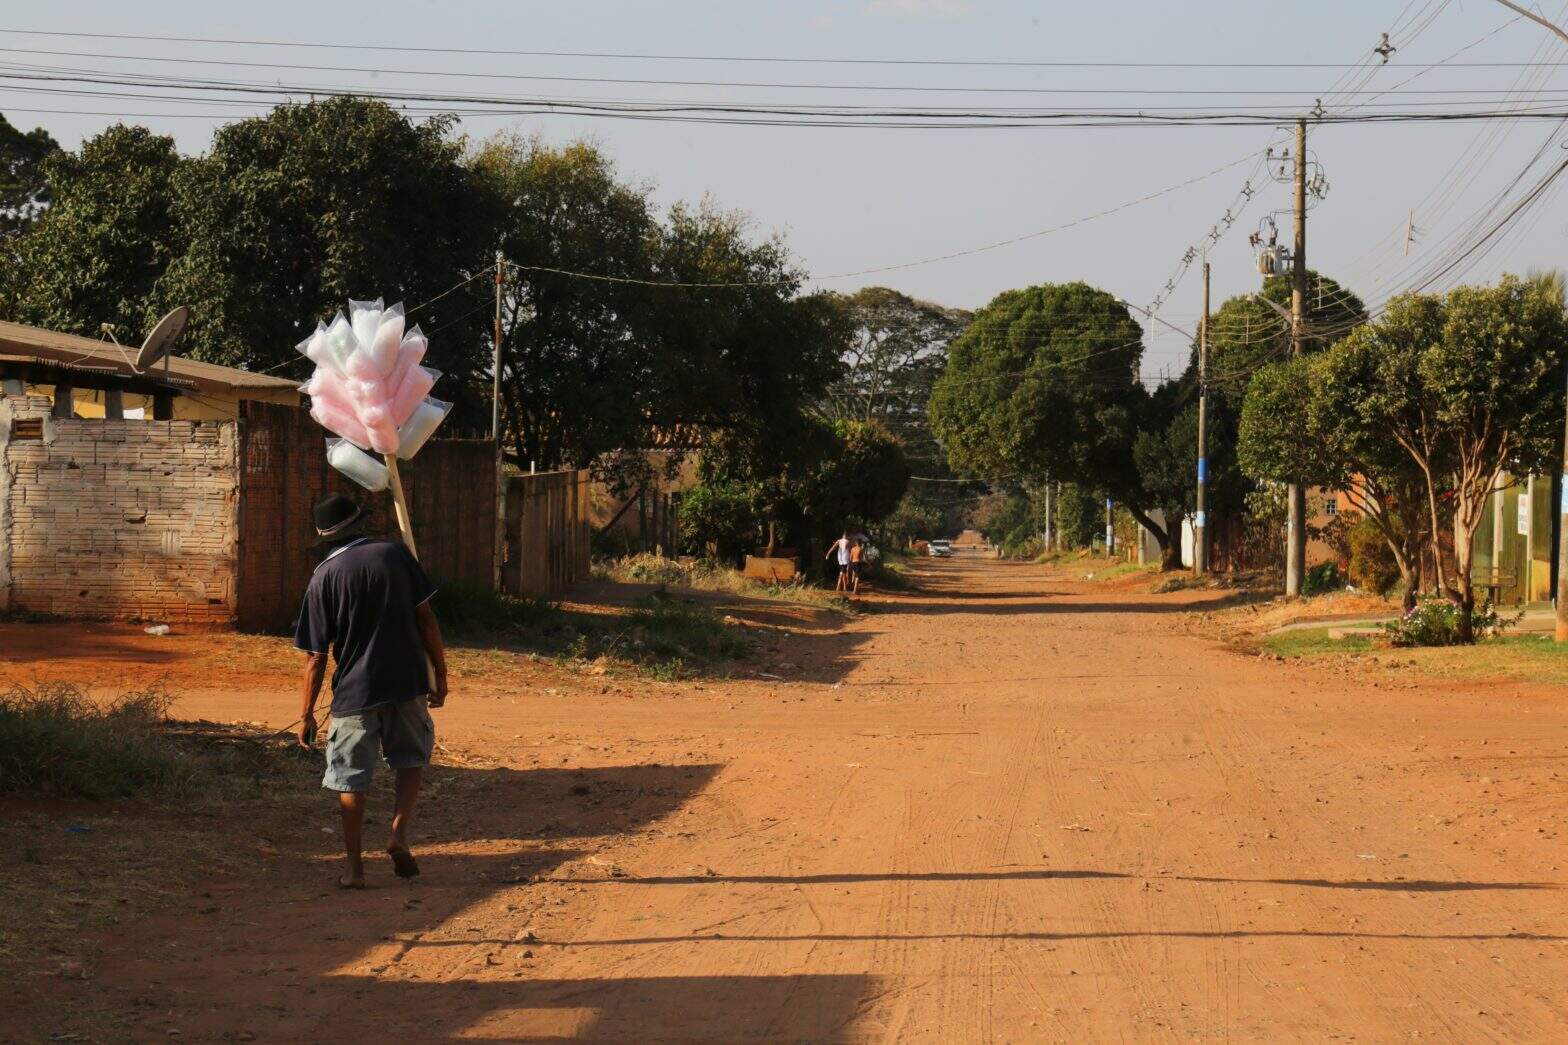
x=116, y=519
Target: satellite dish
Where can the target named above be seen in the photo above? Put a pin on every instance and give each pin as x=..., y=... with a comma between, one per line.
x=162, y=338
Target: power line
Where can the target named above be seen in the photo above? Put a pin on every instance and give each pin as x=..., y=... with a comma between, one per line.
x=760, y=59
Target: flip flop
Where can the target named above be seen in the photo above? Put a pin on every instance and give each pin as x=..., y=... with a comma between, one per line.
x=345, y=883
x=403, y=863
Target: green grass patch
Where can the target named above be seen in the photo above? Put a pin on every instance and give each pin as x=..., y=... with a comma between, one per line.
x=668, y=636
x=472, y=610
x=1315, y=642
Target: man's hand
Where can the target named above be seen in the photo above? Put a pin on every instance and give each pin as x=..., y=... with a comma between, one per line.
x=437, y=697
x=307, y=729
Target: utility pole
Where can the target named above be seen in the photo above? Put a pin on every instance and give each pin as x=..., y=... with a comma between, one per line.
x=495, y=359
x=499, y=545
x=1110, y=531
x=1296, y=496
x=1200, y=524
x=1562, y=507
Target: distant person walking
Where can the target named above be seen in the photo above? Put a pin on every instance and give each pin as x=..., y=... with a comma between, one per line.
x=369, y=604
x=857, y=562
x=840, y=550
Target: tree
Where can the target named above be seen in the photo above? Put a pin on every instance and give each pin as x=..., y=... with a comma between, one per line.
x=96, y=254
x=1043, y=384
x=1245, y=332
x=1166, y=458
x=573, y=366
x=897, y=349
x=862, y=479
x=24, y=188
x=1495, y=380
x=689, y=325
x=292, y=213
x=1468, y=387
x=721, y=516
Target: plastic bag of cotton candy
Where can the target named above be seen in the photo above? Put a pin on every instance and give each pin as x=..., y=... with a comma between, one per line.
x=370, y=389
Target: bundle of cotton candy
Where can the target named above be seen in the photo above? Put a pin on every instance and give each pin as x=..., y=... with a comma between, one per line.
x=369, y=387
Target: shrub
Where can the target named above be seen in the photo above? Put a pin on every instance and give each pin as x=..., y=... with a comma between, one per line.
x=473, y=609
x=1372, y=565
x=57, y=740
x=1324, y=577
x=1435, y=622
x=675, y=630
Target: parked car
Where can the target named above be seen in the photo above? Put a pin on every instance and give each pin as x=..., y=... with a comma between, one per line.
x=940, y=549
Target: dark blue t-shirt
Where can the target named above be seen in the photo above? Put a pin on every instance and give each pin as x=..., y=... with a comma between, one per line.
x=361, y=604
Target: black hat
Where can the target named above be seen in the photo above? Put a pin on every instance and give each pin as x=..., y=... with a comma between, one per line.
x=334, y=516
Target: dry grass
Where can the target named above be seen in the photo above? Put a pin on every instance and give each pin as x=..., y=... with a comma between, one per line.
x=710, y=576
x=78, y=866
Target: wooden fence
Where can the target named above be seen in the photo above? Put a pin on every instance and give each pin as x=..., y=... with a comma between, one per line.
x=547, y=533
x=283, y=471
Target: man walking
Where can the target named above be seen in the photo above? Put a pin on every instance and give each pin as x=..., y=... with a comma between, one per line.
x=840, y=549
x=369, y=603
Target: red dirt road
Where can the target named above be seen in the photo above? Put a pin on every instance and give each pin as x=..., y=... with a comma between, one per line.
x=1009, y=808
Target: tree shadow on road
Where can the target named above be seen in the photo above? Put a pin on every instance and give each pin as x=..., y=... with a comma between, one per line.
x=277, y=953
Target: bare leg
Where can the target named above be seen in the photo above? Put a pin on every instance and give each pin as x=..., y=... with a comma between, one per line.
x=408, y=781
x=352, y=805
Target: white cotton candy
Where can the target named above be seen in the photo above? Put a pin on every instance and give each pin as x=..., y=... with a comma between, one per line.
x=388, y=340
x=366, y=319
x=340, y=341
x=416, y=431
x=357, y=465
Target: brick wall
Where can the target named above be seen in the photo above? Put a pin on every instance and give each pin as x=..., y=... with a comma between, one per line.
x=450, y=488
x=116, y=519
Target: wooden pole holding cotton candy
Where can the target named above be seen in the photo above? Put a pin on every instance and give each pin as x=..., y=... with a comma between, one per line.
x=372, y=392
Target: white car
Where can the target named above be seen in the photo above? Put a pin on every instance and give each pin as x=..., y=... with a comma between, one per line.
x=939, y=549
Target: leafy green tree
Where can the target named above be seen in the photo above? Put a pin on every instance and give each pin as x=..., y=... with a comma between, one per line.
x=897, y=349
x=574, y=367
x=1044, y=383
x=97, y=252
x=1245, y=333
x=24, y=188
x=292, y=213
x=1080, y=515
x=917, y=517
x=692, y=327
x=1166, y=458
x=861, y=480
x=1469, y=387
x=719, y=515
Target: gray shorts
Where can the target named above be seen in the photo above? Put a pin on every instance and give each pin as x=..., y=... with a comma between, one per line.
x=401, y=732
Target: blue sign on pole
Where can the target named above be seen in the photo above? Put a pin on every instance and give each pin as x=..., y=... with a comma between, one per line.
x=1203, y=469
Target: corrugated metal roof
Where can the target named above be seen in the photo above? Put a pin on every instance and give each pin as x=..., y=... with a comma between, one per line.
x=52, y=348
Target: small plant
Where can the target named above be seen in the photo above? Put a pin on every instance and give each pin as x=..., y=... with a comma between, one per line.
x=1435, y=622
x=1372, y=564
x=473, y=609
x=55, y=739
x=1322, y=578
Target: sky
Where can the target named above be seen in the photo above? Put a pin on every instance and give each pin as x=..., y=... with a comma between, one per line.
x=849, y=200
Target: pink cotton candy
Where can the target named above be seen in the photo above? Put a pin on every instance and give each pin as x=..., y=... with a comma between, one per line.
x=362, y=366
x=411, y=393
x=327, y=383
x=339, y=420
x=383, y=437
x=408, y=356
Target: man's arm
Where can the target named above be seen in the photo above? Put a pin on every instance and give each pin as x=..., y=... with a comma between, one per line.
x=435, y=649
x=315, y=672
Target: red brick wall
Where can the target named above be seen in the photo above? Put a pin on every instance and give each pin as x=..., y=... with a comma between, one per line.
x=283, y=471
